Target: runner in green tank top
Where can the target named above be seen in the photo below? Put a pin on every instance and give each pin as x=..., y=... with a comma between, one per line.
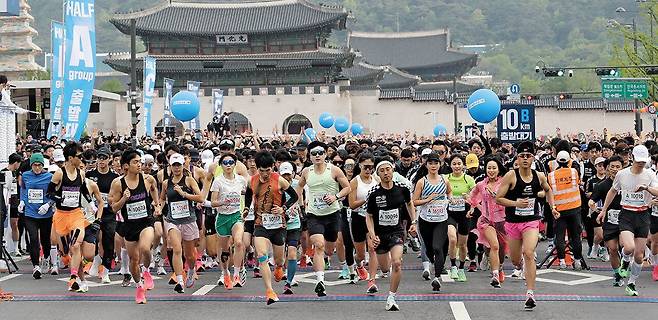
x=327, y=184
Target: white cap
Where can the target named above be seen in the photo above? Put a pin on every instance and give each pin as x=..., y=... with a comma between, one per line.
x=641, y=154
x=155, y=147
x=599, y=160
x=147, y=158
x=563, y=156
x=176, y=158
x=58, y=155
x=207, y=156
x=426, y=152
x=286, y=168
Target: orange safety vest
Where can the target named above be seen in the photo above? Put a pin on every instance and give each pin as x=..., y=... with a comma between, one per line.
x=566, y=193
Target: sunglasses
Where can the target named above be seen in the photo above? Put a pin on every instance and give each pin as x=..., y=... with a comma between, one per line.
x=316, y=153
x=228, y=163
x=525, y=155
x=368, y=167
x=575, y=151
x=339, y=163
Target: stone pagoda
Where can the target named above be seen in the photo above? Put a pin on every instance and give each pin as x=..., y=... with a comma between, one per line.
x=17, y=51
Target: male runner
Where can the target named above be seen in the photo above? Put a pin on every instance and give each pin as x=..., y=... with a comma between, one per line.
x=388, y=205
x=327, y=184
x=132, y=195
x=518, y=192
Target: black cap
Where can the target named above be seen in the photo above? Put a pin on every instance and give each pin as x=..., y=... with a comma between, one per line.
x=525, y=146
x=195, y=155
x=104, y=151
x=315, y=144
x=433, y=157
x=227, y=143
x=594, y=145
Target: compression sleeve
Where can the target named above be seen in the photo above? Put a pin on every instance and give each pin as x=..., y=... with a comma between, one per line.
x=292, y=197
x=248, y=197
x=52, y=192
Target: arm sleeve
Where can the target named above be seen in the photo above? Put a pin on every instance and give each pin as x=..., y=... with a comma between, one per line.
x=248, y=197
x=52, y=192
x=292, y=197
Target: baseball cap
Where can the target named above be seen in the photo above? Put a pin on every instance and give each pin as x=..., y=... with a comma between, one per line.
x=155, y=147
x=472, y=161
x=36, y=158
x=194, y=155
x=641, y=154
x=286, y=168
x=147, y=158
x=176, y=158
x=58, y=155
x=433, y=156
x=563, y=156
x=426, y=152
x=207, y=156
x=227, y=143
x=525, y=146
x=104, y=152
x=599, y=160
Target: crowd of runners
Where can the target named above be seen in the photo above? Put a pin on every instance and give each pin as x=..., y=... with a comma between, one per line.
x=257, y=207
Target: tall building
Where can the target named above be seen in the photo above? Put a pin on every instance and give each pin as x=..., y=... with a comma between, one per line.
x=17, y=51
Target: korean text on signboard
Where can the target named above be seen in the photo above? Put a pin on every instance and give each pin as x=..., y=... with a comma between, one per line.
x=516, y=123
x=228, y=39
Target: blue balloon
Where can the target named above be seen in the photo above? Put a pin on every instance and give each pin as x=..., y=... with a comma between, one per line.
x=185, y=106
x=310, y=133
x=326, y=120
x=342, y=124
x=440, y=130
x=357, y=129
x=483, y=105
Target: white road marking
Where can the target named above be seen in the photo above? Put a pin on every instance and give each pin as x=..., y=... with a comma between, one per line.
x=310, y=278
x=446, y=278
x=586, y=278
x=204, y=290
x=459, y=311
x=9, y=277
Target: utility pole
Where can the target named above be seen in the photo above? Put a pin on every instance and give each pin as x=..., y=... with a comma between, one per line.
x=454, y=104
x=638, y=119
x=132, y=96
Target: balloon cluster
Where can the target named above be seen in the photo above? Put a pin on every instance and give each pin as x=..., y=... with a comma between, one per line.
x=341, y=124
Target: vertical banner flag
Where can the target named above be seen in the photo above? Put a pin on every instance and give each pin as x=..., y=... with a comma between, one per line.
x=149, y=89
x=516, y=123
x=217, y=101
x=79, y=65
x=56, y=78
x=168, y=93
x=194, y=87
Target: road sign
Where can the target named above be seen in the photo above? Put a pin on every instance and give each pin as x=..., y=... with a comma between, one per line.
x=515, y=88
x=624, y=89
x=516, y=123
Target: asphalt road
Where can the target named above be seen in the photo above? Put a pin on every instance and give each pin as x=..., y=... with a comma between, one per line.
x=560, y=295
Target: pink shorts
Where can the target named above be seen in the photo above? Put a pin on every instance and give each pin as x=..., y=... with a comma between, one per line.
x=515, y=230
x=188, y=231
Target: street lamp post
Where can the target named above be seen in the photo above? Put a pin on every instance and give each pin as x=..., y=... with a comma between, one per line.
x=636, y=102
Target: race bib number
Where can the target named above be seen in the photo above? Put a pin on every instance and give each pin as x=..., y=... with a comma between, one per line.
x=457, y=204
x=250, y=216
x=389, y=217
x=106, y=199
x=613, y=216
x=136, y=210
x=14, y=188
x=529, y=211
x=654, y=211
x=632, y=199
x=71, y=199
x=319, y=203
x=437, y=211
x=232, y=202
x=180, y=209
x=272, y=221
x=35, y=196
x=293, y=212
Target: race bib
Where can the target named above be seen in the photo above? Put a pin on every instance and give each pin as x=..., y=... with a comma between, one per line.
x=529, y=211
x=437, y=211
x=349, y=214
x=14, y=188
x=457, y=204
x=319, y=203
x=272, y=221
x=389, y=217
x=106, y=199
x=136, y=210
x=613, y=216
x=232, y=202
x=71, y=199
x=632, y=199
x=180, y=209
x=250, y=216
x=35, y=196
x=654, y=211
x=293, y=212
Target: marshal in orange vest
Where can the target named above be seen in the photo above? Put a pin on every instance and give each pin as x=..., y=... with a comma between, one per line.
x=564, y=183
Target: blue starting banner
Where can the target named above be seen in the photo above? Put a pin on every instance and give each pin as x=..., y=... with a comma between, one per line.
x=516, y=123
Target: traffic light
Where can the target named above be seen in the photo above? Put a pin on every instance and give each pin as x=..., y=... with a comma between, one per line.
x=565, y=96
x=530, y=97
x=651, y=70
x=606, y=72
x=553, y=72
x=638, y=125
x=460, y=127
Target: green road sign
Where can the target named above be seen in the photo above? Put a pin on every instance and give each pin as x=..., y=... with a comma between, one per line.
x=624, y=88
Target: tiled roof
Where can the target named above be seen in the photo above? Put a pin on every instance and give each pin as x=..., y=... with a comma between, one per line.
x=396, y=78
x=211, y=18
x=411, y=50
x=387, y=94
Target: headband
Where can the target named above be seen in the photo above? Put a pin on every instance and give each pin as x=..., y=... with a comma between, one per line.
x=383, y=163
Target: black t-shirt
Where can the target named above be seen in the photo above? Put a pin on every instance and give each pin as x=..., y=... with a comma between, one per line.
x=104, y=182
x=599, y=193
x=589, y=171
x=592, y=182
x=388, y=208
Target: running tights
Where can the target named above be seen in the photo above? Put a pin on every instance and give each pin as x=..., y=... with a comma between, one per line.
x=435, y=237
x=569, y=222
x=38, y=231
x=347, y=238
x=108, y=228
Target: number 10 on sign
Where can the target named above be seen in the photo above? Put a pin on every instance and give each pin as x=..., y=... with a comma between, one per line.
x=516, y=123
x=512, y=119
